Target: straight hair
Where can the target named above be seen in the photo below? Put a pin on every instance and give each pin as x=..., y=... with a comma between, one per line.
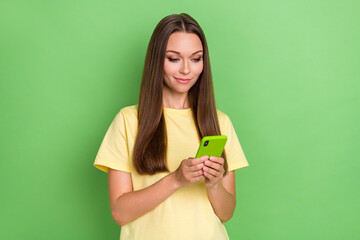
x=149, y=154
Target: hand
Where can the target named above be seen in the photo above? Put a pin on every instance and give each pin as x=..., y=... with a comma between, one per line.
x=213, y=171
x=190, y=171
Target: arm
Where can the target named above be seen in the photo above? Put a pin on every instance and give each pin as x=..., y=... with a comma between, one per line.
x=127, y=205
x=222, y=197
x=221, y=189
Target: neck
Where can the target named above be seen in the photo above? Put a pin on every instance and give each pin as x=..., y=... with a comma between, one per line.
x=175, y=100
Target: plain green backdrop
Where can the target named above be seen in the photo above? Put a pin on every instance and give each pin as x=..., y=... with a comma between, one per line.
x=286, y=72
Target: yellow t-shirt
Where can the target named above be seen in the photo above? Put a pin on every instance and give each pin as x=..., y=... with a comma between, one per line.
x=187, y=214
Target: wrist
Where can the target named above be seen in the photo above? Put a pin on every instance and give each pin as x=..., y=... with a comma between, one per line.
x=214, y=187
x=175, y=183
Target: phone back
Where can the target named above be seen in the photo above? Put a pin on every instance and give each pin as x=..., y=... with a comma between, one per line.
x=211, y=146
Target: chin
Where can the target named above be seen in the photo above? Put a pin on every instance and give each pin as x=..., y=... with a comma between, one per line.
x=182, y=91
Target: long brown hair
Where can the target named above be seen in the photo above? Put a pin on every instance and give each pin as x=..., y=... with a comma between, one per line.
x=151, y=142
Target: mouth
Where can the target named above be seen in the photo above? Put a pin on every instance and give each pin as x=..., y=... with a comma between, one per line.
x=182, y=80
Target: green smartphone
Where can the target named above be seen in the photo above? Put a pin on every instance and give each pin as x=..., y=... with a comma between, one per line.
x=211, y=146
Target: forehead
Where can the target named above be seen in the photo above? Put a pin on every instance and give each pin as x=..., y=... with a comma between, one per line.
x=184, y=42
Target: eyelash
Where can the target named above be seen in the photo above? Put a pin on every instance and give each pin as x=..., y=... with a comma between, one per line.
x=176, y=59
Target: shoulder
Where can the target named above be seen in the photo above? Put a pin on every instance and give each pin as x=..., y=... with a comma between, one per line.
x=129, y=111
x=222, y=117
x=127, y=114
x=224, y=120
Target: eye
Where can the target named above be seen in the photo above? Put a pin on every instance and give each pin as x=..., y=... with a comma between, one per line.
x=172, y=59
x=197, y=59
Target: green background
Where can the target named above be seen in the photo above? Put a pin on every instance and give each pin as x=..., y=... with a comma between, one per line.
x=286, y=72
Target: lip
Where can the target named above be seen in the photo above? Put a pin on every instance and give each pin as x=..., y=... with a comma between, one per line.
x=182, y=80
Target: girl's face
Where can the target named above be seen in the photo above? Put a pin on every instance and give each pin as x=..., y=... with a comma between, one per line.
x=183, y=62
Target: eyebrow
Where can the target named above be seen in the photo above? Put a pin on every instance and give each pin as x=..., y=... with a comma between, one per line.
x=179, y=53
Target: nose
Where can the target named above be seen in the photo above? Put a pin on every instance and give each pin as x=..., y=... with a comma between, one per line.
x=185, y=68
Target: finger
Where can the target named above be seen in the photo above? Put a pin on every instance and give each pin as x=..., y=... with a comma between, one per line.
x=218, y=160
x=209, y=176
x=198, y=178
x=211, y=171
x=213, y=165
x=196, y=161
x=197, y=173
x=196, y=167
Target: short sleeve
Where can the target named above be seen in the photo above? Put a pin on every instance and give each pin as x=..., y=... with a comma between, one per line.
x=234, y=153
x=113, y=152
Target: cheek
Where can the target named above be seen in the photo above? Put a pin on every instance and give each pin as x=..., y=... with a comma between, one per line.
x=170, y=69
x=198, y=69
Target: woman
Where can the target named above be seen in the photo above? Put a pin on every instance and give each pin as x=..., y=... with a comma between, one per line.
x=157, y=189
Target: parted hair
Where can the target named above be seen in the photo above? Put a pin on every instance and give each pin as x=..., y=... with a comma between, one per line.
x=149, y=153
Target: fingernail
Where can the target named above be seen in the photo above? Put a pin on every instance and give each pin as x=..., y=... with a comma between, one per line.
x=211, y=158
